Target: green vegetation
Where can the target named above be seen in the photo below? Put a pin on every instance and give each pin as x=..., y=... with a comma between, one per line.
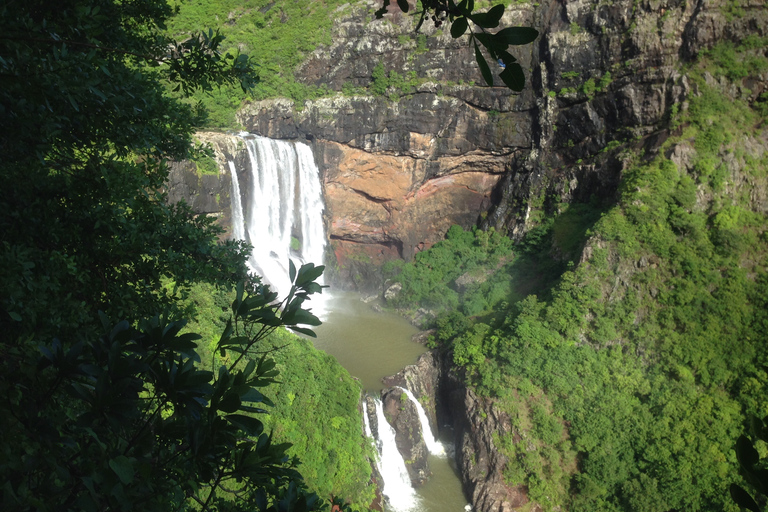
x=207, y=165
x=109, y=404
x=392, y=82
x=629, y=377
x=430, y=280
x=334, y=457
x=276, y=36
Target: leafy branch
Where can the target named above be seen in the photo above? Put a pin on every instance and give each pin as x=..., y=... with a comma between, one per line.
x=461, y=16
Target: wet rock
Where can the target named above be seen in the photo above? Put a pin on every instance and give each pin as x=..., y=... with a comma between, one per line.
x=404, y=418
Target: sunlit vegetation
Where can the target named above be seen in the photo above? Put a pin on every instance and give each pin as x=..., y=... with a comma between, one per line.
x=315, y=405
x=629, y=376
x=277, y=36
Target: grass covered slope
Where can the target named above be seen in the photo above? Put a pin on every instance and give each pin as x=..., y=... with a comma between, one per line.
x=276, y=36
x=315, y=404
x=629, y=376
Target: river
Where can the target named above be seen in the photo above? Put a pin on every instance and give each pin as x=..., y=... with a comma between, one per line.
x=372, y=345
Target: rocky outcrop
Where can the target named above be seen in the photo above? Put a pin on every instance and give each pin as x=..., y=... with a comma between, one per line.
x=402, y=415
x=400, y=169
x=207, y=193
x=476, y=423
x=396, y=175
x=423, y=380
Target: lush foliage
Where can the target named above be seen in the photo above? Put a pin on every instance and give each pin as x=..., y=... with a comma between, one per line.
x=652, y=351
x=334, y=457
x=281, y=36
x=276, y=36
x=123, y=414
x=129, y=420
x=430, y=281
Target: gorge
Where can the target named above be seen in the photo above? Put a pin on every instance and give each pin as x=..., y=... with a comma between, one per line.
x=634, y=166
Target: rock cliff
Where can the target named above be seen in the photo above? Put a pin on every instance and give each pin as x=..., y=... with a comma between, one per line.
x=399, y=169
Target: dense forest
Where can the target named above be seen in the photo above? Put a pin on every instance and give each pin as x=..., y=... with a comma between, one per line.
x=112, y=399
x=627, y=340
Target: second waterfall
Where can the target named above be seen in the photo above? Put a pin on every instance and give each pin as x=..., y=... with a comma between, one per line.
x=279, y=207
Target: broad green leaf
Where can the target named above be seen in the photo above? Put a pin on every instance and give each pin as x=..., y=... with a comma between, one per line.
x=513, y=77
x=516, y=35
x=743, y=498
x=489, y=19
x=308, y=273
x=458, y=27
x=123, y=468
x=303, y=330
x=230, y=402
x=381, y=12
x=746, y=453
x=484, y=69
x=253, y=395
x=291, y=270
x=251, y=426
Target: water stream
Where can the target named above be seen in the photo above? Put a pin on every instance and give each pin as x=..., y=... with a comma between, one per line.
x=372, y=345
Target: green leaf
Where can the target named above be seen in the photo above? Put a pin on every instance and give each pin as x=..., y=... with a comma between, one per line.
x=458, y=27
x=516, y=35
x=230, y=402
x=253, y=395
x=746, y=453
x=308, y=273
x=123, y=468
x=250, y=426
x=403, y=4
x=291, y=270
x=489, y=19
x=743, y=499
x=381, y=12
x=15, y=316
x=303, y=330
x=513, y=77
x=484, y=69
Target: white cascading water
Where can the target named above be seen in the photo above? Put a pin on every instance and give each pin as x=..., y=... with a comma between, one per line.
x=434, y=446
x=283, y=219
x=397, y=484
x=238, y=224
x=367, y=421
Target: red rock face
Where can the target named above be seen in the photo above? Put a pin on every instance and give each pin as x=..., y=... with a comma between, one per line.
x=387, y=201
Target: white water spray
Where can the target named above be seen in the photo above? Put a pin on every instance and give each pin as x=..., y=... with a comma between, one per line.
x=434, y=446
x=238, y=223
x=283, y=217
x=397, y=484
x=367, y=421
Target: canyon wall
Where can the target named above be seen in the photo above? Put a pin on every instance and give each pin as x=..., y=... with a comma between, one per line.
x=437, y=150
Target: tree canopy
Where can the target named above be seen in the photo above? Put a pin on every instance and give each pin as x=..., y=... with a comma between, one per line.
x=105, y=403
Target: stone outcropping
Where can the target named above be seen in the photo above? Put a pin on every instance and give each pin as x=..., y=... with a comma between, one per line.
x=400, y=169
x=207, y=193
x=474, y=421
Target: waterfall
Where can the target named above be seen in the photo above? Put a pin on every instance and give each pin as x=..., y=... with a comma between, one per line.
x=283, y=217
x=434, y=446
x=397, y=484
x=238, y=222
x=366, y=420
